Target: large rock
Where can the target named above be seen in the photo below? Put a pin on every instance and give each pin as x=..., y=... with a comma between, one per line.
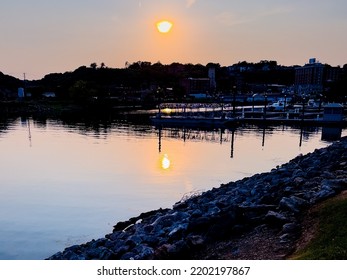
x=293, y=204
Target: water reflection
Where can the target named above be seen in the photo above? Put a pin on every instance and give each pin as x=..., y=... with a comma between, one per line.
x=331, y=133
x=228, y=135
x=165, y=162
x=101, y=128
x=232, y=143
x=75, y=180
x=25, y=122
x=5, y=125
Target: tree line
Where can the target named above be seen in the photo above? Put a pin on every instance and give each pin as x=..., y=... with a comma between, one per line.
x=101, y=82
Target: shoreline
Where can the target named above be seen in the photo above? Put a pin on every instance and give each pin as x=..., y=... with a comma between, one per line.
x=272, y=203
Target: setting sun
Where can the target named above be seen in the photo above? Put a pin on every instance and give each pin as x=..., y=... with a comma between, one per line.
x=164, y=26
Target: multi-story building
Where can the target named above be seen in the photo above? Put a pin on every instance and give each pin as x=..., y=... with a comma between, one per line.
x=313, y=77
x=196, y=85
x=309, y=78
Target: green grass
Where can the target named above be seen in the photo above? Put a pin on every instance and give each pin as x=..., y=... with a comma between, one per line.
x=330, y=241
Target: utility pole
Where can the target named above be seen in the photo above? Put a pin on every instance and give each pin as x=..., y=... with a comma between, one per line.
x=234, y=101
x=24, y=84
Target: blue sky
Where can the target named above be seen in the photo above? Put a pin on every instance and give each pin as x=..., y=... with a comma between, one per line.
x=44, y=36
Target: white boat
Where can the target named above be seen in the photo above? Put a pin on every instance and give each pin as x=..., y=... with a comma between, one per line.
x=276, y=106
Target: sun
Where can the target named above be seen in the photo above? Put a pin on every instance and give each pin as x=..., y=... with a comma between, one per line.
x=164, y=26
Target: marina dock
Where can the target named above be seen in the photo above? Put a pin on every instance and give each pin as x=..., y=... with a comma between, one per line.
x=213, y=115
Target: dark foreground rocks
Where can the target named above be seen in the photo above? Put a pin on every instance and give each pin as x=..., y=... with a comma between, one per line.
x=270, y=203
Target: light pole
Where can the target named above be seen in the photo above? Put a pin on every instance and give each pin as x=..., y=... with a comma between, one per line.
x=265, y=106
x=159, y=100
x=234, y=100
x=303, y=107
x=253, y=96
x=320, y=103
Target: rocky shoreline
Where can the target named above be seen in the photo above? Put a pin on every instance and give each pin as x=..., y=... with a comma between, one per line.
x=275, y=201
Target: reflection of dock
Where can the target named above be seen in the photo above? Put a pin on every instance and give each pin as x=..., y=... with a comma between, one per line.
x=222, y=124
x=215, y=135
x=186, y=134
x=223, y=136
x=191, y=121
x=293, y=122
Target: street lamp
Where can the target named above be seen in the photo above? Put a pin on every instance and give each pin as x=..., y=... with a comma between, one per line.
x=254, y=95
x=159, y=98
x=320, y=103
x=303, y=107
x=234, y=100
x=265, y=106
x=222, y=104
x=285, y=103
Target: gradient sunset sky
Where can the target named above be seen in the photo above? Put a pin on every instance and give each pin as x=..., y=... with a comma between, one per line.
x=47, y=36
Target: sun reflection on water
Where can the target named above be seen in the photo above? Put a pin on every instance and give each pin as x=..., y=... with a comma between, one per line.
x=167, y=110
x=165, y=162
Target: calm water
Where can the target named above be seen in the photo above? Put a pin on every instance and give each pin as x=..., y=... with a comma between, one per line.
x=67, y=183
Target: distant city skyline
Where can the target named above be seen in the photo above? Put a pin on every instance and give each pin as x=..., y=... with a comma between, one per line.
x=45, y=36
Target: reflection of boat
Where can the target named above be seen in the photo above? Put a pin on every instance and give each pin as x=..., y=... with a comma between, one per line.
x=190, y=121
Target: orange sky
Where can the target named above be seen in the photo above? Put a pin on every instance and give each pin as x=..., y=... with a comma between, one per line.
x=40, y=37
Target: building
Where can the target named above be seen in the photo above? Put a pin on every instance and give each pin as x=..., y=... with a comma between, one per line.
x=21, y=93
x=333, y=112
x=309, y=78
x=196, y=85
x=313, y=77
x=212, y=77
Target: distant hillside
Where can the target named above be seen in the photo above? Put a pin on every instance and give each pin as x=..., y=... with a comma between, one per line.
x=9, y=81
x=9, y=86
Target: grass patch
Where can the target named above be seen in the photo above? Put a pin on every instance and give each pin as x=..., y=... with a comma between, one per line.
x=330, y=239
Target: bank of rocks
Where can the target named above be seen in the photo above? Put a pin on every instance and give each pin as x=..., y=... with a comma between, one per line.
x=275, y=200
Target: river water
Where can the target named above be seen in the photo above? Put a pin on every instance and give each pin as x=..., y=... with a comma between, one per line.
x=65, y=182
